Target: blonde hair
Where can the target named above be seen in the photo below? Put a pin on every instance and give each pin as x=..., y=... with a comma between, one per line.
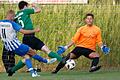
x=10, y=12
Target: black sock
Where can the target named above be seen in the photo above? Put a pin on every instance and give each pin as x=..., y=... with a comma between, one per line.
x=95, y=61
x=62, y=63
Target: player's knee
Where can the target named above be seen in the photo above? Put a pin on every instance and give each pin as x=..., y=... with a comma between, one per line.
x=31, y=52
x=26, y=57
x=94, y=55
x=23, y=60
x=46, y=49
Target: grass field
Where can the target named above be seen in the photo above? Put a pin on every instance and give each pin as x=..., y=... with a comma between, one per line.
x=68, y=75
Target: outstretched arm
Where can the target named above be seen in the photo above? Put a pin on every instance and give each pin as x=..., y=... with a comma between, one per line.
x=36, y=8
x=62, y=49
x=103, y=47
x=18, y=27
x=69, y=44
x=29, y=31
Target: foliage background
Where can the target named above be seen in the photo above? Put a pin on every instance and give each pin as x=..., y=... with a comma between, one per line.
x=58, y=23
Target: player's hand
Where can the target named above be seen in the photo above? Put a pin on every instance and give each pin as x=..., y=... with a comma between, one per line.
x=105, y=49
x=62, y=49
x=37, y=29
x=33, y=5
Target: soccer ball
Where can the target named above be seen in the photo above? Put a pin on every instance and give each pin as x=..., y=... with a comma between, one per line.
x=70, y=64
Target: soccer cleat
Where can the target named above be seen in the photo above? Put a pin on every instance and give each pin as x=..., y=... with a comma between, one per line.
x=50, y=61
x=96, y=68
x=35, y=69
x=10, y=73
x=35, y=75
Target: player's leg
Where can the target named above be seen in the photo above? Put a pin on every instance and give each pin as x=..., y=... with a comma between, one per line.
x=24, y=61
x=33, y=42
x=51, y=53
x=33, y=54
x=26, y=49
x=41, y=46
x=95, y=60
x=5, y=58
x=18, y=66
x=11, y=59
x=73, y=55
x=8, y=59
x=23, y=51
x=29, y=65
x=37, y=44
x=62, y=63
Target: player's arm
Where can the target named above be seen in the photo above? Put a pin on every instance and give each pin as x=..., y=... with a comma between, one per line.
x=70, y=44
x=75, y=38
x=62, y=49
x=99, y=39
x=17, y=27
x=29, y=31
x=103, y=47
x=36, y=8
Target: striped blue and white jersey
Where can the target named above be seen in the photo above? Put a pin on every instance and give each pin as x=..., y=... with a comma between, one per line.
x=8, y=31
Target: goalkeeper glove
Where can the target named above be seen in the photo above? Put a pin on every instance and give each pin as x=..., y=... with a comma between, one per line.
x=105, y=49
x=62, y=49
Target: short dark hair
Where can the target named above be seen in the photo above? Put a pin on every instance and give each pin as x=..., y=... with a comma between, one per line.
x=89, y=14
x=22, y=4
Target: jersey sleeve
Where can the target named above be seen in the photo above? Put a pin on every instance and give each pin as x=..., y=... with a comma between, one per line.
x=99, y=38
x=76, y=36
x=29, y=11
x=16, y=26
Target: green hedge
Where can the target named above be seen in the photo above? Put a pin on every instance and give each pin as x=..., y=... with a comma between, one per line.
x=58, y=23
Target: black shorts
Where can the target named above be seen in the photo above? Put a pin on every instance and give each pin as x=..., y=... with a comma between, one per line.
x=78, y=51
x=33, y=42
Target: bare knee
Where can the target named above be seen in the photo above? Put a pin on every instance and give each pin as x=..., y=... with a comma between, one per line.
x=46, y=49
x=31, y=52
x=93, y=55
x=26, y=57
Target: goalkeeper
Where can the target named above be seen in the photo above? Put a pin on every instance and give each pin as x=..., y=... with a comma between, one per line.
x=85, y=40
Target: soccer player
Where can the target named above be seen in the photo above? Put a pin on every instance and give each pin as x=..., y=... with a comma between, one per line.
x=85, y=41
x=23, y=18
x=8, y=30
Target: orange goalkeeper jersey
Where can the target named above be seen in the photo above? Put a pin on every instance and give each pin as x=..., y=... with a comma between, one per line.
x=87, y=37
